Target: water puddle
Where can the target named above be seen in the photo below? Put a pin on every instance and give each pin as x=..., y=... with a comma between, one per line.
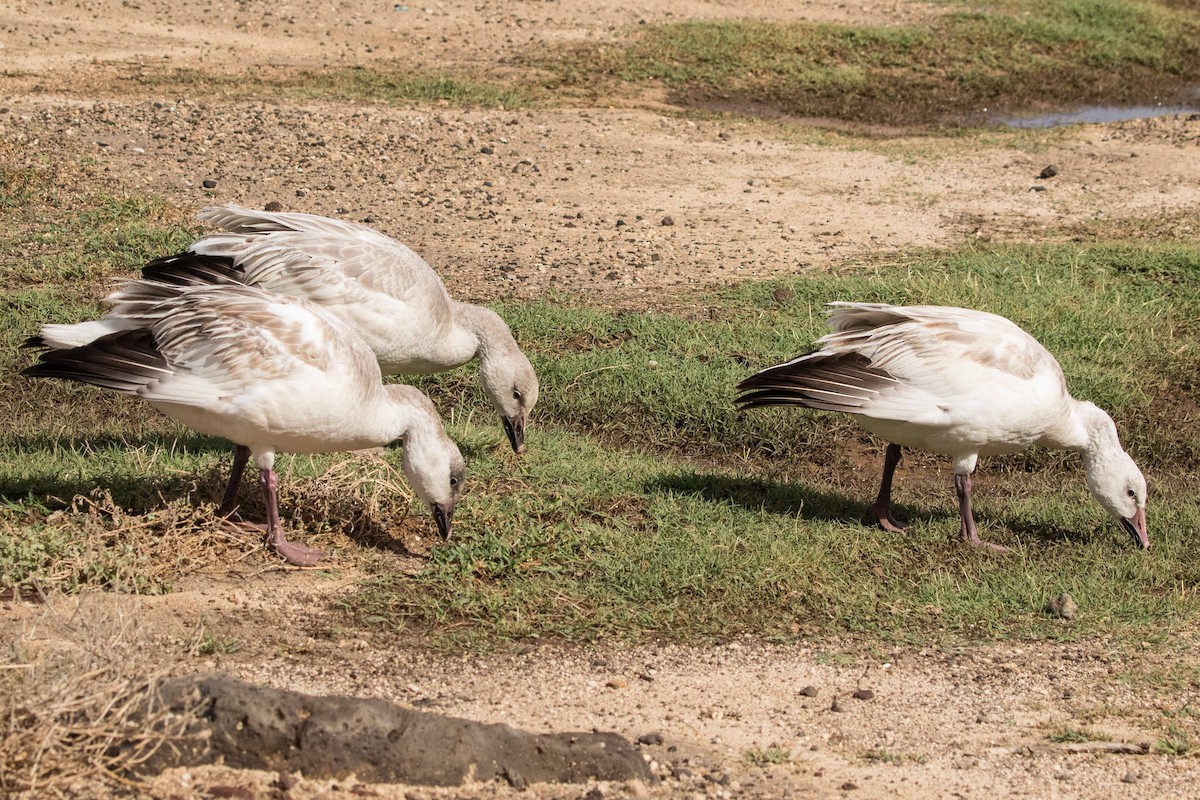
x=1095, y=114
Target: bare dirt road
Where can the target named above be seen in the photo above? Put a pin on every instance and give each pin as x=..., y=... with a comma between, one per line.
x=631, y=204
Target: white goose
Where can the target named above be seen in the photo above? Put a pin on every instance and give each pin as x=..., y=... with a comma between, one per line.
x=269, y=372
x=376, y=285
x=958, y=382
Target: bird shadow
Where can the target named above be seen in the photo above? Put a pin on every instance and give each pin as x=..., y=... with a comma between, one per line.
x=52, y=482
x=775, y=497
x=48, y=480
x=797, y=500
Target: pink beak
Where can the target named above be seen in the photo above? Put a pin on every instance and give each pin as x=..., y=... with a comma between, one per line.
x=1136, y=527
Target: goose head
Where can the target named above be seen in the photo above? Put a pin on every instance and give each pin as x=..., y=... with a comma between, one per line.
x=512, y=387
x=1114, y=479
x=432, y=462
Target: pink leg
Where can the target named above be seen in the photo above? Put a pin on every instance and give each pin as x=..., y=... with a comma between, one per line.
x=241, y=455
x=962, y=485
x=883, y=502
x=292, y=552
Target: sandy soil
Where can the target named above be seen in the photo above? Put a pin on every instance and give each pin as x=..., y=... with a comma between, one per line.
x=520, y=203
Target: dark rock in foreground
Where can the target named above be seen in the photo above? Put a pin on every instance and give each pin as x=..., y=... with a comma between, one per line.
x=255, y=727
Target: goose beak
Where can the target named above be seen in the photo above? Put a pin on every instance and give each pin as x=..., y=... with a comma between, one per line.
x=442, y=515
x=515, y=428
x=1136, y=527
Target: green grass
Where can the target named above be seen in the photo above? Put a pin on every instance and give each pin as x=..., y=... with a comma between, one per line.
x=646, y=506
x=1009, y=55
x=377, y=83
x=1069, y=735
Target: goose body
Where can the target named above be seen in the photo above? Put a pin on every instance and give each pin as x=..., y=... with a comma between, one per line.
x=958, y=382
x=379, y=287
x=269, y=372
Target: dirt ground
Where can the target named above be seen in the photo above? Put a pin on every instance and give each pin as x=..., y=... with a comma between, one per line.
x=632, y=204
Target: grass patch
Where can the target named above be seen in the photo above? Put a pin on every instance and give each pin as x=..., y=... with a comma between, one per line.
x=1176, y=742
x=1007, y=56
x=1069, y=735
x=646, y=505
x=378, y=84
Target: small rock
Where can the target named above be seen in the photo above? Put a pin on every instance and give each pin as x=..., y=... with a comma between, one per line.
x=636, y=788
x=650, y=738
x=593, y=793
x=835, y=705
x=1037, y=188
x=667, y=221
x=1063, y=607
x=617, y=683
x=231, y=792
x=487, y=150
x=274, y=205
x=809, y=691
x=620, y=223
x=782, y=295
x=287, y=780
x=209, y=183
x=1129, y=777
x=863, y=694
x=515, y=779
x=848, y=786
x=1048, y=172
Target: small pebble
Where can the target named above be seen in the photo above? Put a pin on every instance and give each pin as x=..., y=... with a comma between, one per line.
x=274, y=205
x=1129, y=777
x=809, y=691
x=863, y=694
x=848, y=786
x=650, y=738
x=667, y=221
x=209, y=183
x=1048, y=172
x=1063, y=607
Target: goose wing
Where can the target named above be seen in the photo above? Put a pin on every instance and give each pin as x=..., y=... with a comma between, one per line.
x=925, y=365
x=227, y=342
x=326, y=261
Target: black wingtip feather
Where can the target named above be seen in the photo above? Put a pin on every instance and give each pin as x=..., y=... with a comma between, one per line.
x=191, y=269
x=821, y=381
x=124, y=361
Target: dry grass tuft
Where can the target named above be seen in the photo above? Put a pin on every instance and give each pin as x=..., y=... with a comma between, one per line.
x=78, y=714
x=144, y=544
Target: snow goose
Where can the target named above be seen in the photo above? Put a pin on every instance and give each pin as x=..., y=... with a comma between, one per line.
x=269, y=372
x=958, y=382
x=376, y=285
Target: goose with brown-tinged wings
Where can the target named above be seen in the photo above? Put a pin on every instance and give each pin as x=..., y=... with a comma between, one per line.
x=269, y=372
x=958, y=382
x=379, y=287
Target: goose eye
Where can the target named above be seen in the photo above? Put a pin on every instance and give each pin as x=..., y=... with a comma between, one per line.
x=516, y=394
x=453, y=482
x=1132, y=493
